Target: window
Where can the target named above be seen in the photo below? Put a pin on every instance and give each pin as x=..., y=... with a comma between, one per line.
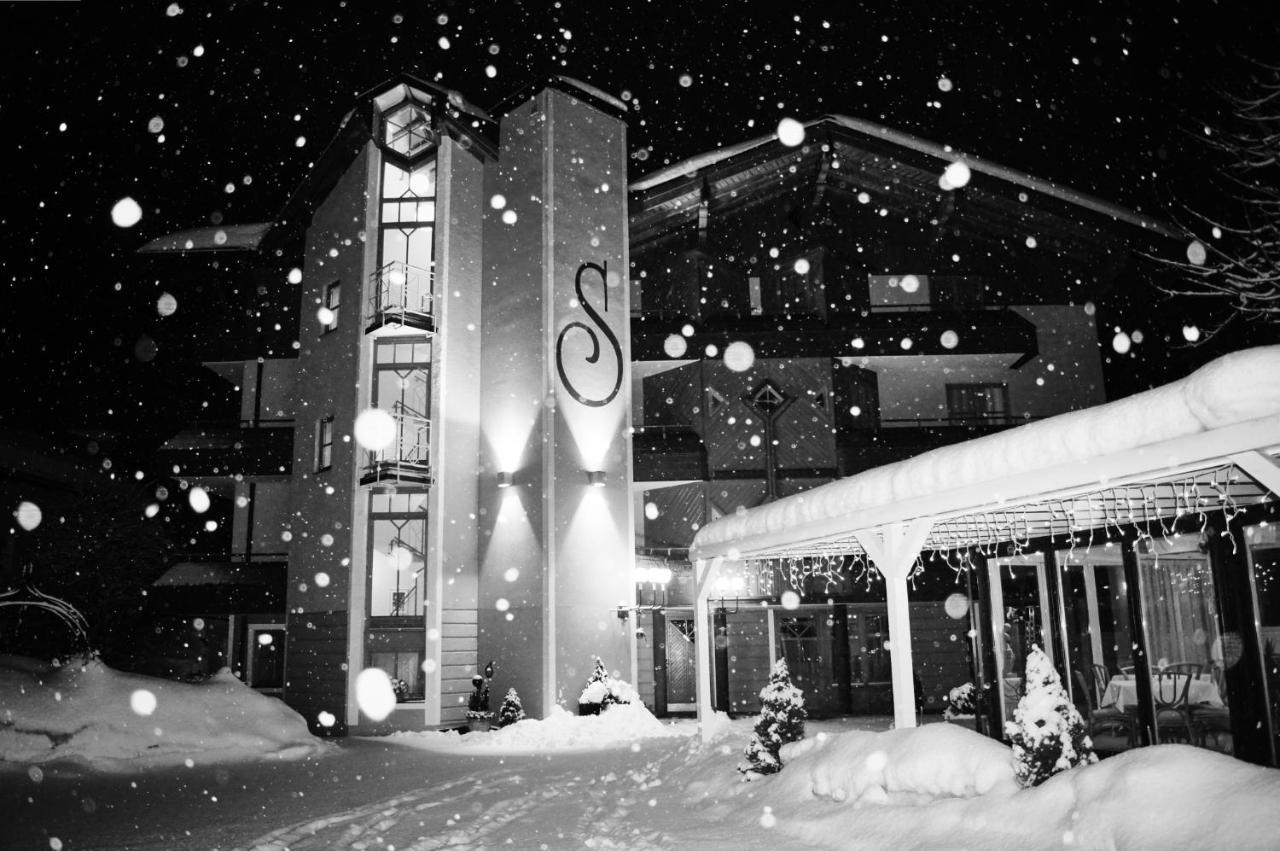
x=397, y=554
x=332, y=299
x=978, y=402
x=324, y=443
x=407, y=130
x=402, y=376
x=408, y=214
x=801, y=287
x=753, y=294
x=404, y=668
x=958, y=292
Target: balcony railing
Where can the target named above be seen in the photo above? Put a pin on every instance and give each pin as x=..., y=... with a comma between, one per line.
x=407, y=458
x=401, y=295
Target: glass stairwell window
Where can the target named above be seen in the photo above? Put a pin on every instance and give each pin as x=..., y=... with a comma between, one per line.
x=402, y=388
x=401, y=289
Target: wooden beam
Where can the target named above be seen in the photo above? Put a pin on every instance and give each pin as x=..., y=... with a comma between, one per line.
x=1260, y=468
x=894, y=550
x=705, y=572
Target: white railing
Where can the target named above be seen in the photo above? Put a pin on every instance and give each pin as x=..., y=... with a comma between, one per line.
x=400, y=294
x=408, y=457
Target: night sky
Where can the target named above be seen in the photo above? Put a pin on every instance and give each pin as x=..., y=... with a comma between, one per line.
x=1107, y=97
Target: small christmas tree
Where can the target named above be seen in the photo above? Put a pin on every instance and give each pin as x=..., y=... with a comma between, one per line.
x=781, y=720
x=511, y=710
x=603, y=691
x=1047, y=731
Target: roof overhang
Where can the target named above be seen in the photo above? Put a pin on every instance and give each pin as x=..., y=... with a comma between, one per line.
x=218, y=238
x=1228, y=465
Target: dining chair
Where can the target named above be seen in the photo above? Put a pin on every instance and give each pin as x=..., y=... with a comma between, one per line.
x=1172, y=707
x=1105, y=718
x=1126, y=670
x=1210, y=720
x=1101, y=678
x=1190, y=669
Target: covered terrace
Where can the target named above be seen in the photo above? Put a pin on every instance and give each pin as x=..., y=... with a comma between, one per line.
x=1144, y=467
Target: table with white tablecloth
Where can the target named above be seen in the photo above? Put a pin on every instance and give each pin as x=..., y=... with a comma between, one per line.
x=1122, y=691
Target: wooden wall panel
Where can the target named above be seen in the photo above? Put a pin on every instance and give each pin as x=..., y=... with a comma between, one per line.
x=315, y=678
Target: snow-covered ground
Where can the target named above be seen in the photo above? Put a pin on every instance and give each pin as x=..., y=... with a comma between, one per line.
x=90, y=714
x=627, y=780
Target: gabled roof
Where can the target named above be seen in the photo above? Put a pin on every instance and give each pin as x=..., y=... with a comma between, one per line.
x=876, y=154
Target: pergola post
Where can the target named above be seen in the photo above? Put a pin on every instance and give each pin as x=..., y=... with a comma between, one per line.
x=893, y=550
x=704, y=638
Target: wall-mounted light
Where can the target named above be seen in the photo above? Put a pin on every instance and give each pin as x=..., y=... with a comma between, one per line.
x=595, y=478
x=504, y=480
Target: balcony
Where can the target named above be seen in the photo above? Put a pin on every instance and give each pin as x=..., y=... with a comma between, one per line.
x=401, y=295
x=992, y=330
x=408, y=457
x=897, y=440
x=228, y=449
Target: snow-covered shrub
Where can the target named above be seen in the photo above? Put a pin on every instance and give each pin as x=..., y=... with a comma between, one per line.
x=511, y=709
x=781, y=721
x=603, y=691
x=961, y=701
x=1047, y=731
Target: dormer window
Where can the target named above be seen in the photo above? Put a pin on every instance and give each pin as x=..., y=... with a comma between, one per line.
x=407, y=130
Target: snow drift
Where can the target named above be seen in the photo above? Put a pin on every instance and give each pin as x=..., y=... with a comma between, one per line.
x=945, y=786
x=619, y=724
x=903, y=766
x=88, y=713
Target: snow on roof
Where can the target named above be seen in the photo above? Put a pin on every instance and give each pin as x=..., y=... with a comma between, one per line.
x=218, y=238
x=593, y=91
x=924, y=146
x=1238, y=388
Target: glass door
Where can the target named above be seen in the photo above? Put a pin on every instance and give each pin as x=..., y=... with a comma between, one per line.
x=1185, y=642
x=1020, y=619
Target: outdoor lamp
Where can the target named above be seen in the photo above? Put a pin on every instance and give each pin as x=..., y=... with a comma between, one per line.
x=504, y=480
x=595, y=478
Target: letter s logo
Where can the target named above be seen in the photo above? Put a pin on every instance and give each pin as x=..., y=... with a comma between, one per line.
x=598, y=320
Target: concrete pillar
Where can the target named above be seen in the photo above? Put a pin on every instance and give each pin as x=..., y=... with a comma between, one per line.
x=555, y=504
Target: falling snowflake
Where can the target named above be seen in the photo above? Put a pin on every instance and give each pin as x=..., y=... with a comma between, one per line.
x=954, y=176
x=375, y=429
x=790, y=132
x=198, y=498
x=374, y=694
x=126, y=213
x=739, y=356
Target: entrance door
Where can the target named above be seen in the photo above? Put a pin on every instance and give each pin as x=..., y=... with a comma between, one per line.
x=265, y=657
x=807, y=642
x=682, y=678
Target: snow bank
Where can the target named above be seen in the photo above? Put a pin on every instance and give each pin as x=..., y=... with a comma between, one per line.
x=619, y=724
x=942, y=786
x=1236, y=388
x=903, y=766
x=106, y=719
